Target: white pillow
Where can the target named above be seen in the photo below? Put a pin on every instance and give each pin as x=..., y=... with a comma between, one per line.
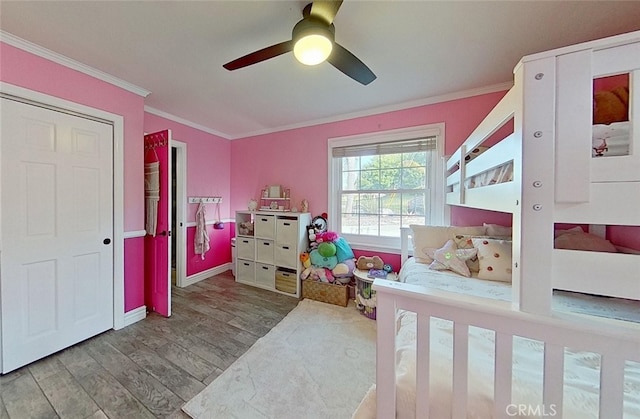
x=430, y=237
x=495, y=258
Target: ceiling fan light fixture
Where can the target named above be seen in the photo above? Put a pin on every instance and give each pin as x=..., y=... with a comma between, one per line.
x=312, y=41
x=312, y=49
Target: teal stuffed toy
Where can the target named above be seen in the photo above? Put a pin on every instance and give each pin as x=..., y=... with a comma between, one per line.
x=317, y=259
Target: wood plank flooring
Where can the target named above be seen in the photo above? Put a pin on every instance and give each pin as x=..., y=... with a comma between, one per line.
x=151, y=368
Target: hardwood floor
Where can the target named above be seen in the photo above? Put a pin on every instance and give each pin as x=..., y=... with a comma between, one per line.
x=151, y=368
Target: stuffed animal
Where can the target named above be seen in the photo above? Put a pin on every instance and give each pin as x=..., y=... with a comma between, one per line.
x=369, y=262
x=318, y=260
x=327, y=249
x=611, y=105
x=327, y=237
x=343, y=272
x=305, y=259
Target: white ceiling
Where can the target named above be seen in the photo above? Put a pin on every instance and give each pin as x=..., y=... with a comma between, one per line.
x=419, y=50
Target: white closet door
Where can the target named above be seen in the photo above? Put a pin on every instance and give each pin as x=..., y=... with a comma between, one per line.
x=56, y=273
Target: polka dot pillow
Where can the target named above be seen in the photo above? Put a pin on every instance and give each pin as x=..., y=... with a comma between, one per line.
x=494, y=256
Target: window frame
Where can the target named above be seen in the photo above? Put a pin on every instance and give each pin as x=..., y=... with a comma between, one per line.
x=439, y=214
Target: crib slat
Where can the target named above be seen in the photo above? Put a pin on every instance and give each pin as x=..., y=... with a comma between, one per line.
x=386, y=312
x=422, y=365
x=460, y=370
x=553, y=379
x=503, y=374
x=611, y=386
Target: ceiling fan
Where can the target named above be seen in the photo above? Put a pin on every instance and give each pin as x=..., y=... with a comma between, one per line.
x=312, y=42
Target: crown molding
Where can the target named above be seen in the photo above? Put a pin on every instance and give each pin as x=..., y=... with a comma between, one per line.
x=45, y=53
x=384, y=109
x=186, y=122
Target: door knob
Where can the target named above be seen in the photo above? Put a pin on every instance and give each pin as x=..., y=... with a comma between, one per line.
x=106, y=241
x=164, y=233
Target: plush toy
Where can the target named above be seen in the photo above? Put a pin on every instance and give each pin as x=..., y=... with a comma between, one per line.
x=327, y=237
x=369, y=262
x=611, y=105
x=343, y=272
x=317, y=274
x=327, y=249
x=343, y=250
x=318, y=260
x=305, y=259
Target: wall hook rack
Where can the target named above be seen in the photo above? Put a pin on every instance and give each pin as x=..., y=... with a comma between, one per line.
x=205, y=199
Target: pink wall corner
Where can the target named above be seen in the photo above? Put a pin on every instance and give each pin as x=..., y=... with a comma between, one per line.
x=218, y=254
x=27, y=70
x=298, y=158
x=208, y=163
x=134, y=289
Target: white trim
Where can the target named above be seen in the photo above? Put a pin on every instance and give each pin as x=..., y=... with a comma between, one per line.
x=192, y=279
x=384, y=109
x=135, y=315
x=118, y=183
x=134, y=234
x=180, y=234
x=47, y=54
x=183, y=121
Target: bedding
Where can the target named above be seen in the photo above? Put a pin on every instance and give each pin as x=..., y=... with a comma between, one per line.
x=611, y=140
x=581, y=369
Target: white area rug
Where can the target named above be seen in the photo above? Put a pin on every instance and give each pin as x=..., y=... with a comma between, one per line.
x=318, y=362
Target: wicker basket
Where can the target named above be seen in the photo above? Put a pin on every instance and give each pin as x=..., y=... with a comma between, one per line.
x=325, y=292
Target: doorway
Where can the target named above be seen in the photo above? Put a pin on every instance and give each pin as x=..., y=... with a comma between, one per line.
x=178, y=213
x=62, y=273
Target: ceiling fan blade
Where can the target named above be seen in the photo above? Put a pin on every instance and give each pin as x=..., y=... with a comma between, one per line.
x=260, y=55
x=350, y=65
x=325, y=10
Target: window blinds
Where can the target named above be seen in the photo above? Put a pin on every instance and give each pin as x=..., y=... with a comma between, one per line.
x=391, y=147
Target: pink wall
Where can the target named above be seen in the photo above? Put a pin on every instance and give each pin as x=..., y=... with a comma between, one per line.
x=298, y=158
x=134, y=272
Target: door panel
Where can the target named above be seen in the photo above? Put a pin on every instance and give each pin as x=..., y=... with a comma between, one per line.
x=57, y=209
x=157, y=247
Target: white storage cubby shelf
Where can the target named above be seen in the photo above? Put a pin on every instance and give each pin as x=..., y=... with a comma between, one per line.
x=270, y=257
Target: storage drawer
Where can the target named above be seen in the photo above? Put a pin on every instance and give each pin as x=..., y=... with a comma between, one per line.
x=245, y=248
x=264, y=251
x=287, y=281
x=287, y=230
x=265, y=275
x=286, y=255
x=245, y=271
x=265, y=226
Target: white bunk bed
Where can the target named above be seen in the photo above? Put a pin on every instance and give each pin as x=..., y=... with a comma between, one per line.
x=554, y=179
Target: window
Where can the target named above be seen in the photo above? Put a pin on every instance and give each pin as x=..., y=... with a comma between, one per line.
x=383, y=181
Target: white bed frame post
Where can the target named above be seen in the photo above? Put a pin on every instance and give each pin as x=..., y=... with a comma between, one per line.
x=533, y=221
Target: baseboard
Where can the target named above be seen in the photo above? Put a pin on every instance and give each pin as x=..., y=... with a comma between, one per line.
x=192, y=279
x=135, y=315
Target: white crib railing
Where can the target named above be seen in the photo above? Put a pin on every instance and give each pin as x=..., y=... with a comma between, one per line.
x=616, y=342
